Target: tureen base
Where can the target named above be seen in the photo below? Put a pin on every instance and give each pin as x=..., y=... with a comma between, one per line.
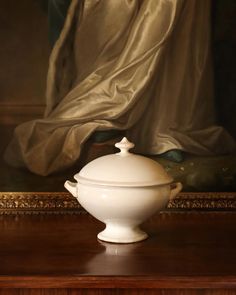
x=121, y=234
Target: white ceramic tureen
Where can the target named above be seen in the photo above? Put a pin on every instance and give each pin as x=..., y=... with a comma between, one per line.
x=123, y=190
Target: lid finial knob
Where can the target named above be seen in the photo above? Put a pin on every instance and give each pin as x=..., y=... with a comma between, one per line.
x=124, y=145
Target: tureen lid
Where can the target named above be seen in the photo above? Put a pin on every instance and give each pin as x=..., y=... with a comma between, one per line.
x=123, y=169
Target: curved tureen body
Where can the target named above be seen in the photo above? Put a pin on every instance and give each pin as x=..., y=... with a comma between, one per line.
x=123, y=190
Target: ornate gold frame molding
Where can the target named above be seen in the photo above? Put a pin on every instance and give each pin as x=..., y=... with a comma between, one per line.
x=38, y=202
x=204, y=201
x=62, y=202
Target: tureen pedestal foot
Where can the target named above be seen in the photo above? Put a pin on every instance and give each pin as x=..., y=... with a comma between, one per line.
x=121, y=234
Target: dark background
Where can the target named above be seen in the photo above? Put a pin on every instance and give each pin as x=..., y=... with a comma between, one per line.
x=224, y=51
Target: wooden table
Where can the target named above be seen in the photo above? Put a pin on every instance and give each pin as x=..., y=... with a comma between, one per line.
x=186, y=253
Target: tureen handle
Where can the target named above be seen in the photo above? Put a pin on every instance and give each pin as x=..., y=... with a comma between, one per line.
x=71, y=187
x=177, y=187
x=124, y=145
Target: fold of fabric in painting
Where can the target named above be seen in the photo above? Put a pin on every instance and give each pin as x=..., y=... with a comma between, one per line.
x=138, y=65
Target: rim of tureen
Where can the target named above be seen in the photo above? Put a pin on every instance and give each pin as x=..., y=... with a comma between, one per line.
x=83, y=180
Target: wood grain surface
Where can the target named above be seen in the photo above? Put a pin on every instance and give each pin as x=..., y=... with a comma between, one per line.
x=184, y=251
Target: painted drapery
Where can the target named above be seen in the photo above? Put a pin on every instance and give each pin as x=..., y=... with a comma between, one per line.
x=138, y=65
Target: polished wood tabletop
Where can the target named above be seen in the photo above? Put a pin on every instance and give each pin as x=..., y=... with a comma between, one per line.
x=184, y=250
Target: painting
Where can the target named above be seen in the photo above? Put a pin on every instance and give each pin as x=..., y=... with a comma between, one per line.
x=27, y=40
